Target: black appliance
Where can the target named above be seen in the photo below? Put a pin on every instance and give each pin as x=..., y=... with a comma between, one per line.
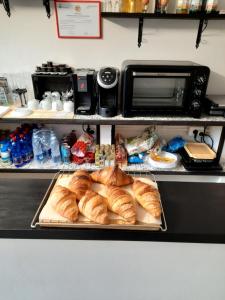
x=85, y=92
x=215, y=105
x=192, y=164
x=107, y=87
x=163, y=87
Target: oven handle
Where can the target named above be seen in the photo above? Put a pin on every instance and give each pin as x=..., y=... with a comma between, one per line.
x=140, y=74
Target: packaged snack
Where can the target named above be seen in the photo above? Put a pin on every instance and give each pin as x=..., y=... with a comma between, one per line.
x=136, y=158
x=120, y=152
x=84, y=150
x=82, y=145
x=141, y=143
x=174, y=145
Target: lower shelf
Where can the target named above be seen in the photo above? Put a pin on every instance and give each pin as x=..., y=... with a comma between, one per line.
x=48, y=167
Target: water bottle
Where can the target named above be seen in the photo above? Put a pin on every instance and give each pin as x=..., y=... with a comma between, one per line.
x=37, y=148
x=5, y=154
x=55, y=151
x=16, y=153
x=45, y=136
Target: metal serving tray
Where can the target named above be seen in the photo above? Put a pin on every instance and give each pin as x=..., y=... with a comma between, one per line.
x=139, y=226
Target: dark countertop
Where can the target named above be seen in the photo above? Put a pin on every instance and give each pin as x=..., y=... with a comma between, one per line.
x=195, y=212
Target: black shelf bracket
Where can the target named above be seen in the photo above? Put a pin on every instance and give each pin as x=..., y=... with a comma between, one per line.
x=140, y=30
x=6, y=6
x=201, y=28
x=46, y=4
x=203, y=23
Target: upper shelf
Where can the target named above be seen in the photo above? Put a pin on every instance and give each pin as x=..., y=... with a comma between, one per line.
x=192, y=16
x=119, y=120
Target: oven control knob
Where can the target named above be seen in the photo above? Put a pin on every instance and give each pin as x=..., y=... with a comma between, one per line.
x=197, y=92
x=195, y=105
x=201, y=79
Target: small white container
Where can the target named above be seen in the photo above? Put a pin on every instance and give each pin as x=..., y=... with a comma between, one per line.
x=163, y=165
x=68, y=106
x=45, y=104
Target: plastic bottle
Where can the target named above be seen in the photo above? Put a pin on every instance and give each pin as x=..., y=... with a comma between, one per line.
x=55, y=152
x=65, y=153
x=45, y=137
x=16, y=153
x=37, y=147
x=5, y=154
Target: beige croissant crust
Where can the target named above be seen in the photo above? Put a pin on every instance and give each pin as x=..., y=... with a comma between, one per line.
x=112, y=176
x=121, y=203
x=94, y=207
x=148, y=197
x=65, y=203
x=79, y=183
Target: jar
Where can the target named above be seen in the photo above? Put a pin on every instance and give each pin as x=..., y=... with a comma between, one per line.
x=182, y=6
x=128, y=6
x=211, y=6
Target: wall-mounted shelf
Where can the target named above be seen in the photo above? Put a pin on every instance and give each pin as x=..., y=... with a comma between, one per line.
x=202, y=17
x=193, y=16
x=6, y=5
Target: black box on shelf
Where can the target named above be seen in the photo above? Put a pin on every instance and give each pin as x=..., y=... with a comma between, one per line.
x=52, y=82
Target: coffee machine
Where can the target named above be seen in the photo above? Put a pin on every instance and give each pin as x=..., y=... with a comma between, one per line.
x=85, y=92
x=107, y=89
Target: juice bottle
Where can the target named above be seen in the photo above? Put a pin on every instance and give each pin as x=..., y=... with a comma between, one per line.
x=97, y=156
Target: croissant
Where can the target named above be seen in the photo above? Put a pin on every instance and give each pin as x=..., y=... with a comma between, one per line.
x=111, y=176
x=80, y=183
x=94, y=207
x=65, y=203
x=148, y=197
x=121, y=203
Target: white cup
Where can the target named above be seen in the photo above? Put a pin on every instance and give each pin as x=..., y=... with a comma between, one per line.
x=68, y=106
x=45, y=104
x=57, y=105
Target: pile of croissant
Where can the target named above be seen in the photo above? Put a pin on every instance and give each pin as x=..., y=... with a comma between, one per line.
x=79, y=196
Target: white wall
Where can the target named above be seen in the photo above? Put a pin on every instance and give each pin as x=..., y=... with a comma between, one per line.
x=29, y=38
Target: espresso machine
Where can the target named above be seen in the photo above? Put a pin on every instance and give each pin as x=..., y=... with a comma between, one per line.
x=85, y=93
x=107, y=91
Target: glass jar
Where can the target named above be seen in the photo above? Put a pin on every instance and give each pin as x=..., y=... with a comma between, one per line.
x=128, y=6
x=161, y=6
x=182, y=7
x=211, y=6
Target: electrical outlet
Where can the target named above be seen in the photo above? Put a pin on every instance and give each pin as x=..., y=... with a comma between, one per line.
x=191, y=130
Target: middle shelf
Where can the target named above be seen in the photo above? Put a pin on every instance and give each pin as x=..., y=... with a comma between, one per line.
x=56, y=118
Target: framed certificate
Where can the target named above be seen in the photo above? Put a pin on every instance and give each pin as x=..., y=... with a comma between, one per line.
x=78, y=19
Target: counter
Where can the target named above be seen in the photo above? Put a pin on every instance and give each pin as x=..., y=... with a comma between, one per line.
x=195, y=212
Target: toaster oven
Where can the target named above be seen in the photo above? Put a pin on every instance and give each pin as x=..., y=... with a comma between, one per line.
x=163, y=88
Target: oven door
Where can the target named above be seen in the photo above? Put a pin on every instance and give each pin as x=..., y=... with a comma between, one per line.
x=158, y=93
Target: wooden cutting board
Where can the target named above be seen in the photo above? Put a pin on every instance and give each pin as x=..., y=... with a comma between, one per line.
x=199, y=151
